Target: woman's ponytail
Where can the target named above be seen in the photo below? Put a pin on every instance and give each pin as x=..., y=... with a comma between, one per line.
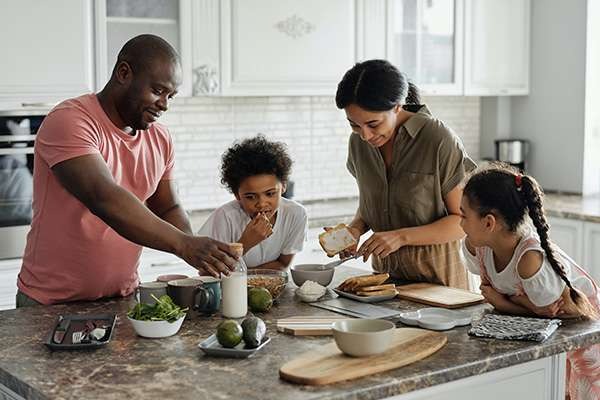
x=532, y=196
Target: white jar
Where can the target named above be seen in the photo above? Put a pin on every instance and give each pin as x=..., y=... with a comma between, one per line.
x=234, y=288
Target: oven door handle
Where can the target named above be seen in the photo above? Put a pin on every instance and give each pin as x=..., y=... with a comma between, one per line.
x=16, y=150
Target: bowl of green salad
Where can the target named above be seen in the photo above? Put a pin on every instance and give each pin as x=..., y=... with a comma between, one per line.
x=159, y=320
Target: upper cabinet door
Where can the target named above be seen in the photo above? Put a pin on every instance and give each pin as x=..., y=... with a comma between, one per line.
x=273, y=47
x=497, y=47
x=46, y=50
x=426, y=43
x=117, y=21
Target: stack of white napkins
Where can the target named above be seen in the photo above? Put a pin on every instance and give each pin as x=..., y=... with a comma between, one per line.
x=514, y=328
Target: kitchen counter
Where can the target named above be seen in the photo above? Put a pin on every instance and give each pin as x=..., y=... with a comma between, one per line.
x=585, y=208
x=134, y=367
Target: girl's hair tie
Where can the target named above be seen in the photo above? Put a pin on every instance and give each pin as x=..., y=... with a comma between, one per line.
x=519, y=181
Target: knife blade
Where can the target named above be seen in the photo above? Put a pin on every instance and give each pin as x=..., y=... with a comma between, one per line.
x=61, y=329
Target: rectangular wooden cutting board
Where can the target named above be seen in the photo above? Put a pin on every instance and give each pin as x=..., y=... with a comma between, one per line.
x=327, y=364
x=438, y=295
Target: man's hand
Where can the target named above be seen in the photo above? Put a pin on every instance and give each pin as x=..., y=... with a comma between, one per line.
x=257, y=230
x=381, y=244
x=209, y=255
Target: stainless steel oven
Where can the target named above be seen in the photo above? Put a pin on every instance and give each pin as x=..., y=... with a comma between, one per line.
x=17, y=137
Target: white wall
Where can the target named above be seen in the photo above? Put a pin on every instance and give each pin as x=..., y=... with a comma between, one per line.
x=314, y=129
x=591, y=175
x=552, y=116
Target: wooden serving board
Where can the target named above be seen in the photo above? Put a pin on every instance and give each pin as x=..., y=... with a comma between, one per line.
x=438, y=295
x=307, y=325
x=327, y=364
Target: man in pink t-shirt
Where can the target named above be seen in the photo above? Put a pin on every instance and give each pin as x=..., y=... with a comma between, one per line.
x=103, y=187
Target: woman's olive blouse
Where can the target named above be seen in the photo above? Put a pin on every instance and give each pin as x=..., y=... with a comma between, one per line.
x=428, y=162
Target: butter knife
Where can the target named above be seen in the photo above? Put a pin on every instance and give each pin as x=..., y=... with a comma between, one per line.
x=61, y=330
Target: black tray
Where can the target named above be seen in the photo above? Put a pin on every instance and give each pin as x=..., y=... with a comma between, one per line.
x=77, y=323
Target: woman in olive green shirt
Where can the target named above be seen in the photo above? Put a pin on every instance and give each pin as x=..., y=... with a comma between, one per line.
x=408, y=166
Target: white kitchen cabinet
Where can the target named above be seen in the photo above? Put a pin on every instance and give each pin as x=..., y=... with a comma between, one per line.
x=568, y=235
x=591, y=245
x=272, y=47
x=425, y=41
x=47, y=51
x=9, y=269
x=117, y=21
x=497, y=35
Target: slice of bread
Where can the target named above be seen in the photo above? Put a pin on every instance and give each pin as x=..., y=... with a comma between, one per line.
x=336, y=240
x=354, y=283
x=386, y=286
x=384, y=292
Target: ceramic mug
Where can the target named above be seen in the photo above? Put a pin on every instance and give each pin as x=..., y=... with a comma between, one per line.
x=202, y=295
x=145, y=291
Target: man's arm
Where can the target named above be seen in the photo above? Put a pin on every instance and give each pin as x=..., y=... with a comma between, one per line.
x=164, y=203
x=89, y=180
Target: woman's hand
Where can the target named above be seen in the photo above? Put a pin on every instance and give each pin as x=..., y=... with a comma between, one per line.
x=257, y=230
x=382, y=244
x=350, y=251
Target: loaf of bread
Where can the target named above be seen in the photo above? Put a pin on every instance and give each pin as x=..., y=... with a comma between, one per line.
x=337, y=239
x=375, y=288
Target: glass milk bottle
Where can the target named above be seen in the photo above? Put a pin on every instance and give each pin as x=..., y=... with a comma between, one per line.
x=234, y=287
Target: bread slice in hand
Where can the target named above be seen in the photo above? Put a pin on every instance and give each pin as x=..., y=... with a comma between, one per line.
x=337, y=239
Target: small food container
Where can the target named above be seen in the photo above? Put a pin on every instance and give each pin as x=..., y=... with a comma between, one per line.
x=363, y=337
x=272, y=280
x=311, y=272
x=156, y=329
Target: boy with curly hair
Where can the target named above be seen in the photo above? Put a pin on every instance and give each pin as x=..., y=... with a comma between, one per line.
x=271, y=227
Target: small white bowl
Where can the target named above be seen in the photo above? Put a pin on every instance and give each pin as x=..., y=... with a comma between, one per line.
x=363, y=337
x=156, y=329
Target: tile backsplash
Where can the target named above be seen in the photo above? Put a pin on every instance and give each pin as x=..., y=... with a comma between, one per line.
x=315, y=131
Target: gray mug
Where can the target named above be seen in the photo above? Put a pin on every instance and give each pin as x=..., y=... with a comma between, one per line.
x=145, y=291
x=198, y=294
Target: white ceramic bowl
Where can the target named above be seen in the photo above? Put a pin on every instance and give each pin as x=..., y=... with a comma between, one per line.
x=311, y=272
x=363, y=337
x=156, y=329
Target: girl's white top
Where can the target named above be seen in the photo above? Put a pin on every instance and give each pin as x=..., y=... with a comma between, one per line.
x=543, y=288
x=227, y=223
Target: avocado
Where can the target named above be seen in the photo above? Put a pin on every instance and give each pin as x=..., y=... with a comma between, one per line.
x=259, y=299
x=254, y=331
x=229, y=333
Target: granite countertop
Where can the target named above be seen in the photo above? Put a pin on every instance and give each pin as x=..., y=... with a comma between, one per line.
x=585, y=208
x=134, y=367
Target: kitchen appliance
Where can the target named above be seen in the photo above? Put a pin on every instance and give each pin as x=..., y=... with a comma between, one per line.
x=17, y=136
x=513, y=152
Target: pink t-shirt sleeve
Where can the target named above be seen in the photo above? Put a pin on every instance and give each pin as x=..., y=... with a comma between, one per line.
x=67, y=134
x=168, y=174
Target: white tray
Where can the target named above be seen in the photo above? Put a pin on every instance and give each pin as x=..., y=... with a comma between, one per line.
x=434, y=318
x=364, y=299
x=211, y=347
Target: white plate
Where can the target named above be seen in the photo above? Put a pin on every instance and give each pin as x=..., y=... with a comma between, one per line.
x=364, y=299
x=434, y=318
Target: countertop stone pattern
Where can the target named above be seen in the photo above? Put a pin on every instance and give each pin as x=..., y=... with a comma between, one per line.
x=134, y=367
x=573, y=206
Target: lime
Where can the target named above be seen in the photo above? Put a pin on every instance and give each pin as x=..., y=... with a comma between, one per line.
x=259, y=299
x=229, y=333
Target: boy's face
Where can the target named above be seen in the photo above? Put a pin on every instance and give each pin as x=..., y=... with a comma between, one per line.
x=260, y=194
x=473, y=224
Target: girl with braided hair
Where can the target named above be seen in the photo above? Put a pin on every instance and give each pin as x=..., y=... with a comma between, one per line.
x=522, y=271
